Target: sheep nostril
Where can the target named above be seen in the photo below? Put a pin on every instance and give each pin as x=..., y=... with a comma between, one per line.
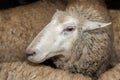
x=31, y=53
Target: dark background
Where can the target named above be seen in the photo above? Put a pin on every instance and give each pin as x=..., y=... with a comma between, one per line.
x=5, y=4
x=113, y=4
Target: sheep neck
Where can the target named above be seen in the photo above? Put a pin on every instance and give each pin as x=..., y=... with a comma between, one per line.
x=74, y=55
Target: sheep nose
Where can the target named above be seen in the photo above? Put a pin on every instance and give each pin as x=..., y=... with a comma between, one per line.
x=30, y=53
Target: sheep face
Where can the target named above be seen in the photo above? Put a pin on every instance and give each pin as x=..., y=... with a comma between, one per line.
x=58, y=36
x=55, y=38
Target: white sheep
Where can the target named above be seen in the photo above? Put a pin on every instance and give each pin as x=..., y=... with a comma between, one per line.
x=77, y=39
x=16, y=31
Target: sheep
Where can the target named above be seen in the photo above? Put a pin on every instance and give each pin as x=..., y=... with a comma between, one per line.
x=115, y=15
x=24, y=71
x=18, y=26
x=77, y=39
x=114, y=73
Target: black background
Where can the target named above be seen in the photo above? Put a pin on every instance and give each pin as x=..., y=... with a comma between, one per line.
x=5, y=4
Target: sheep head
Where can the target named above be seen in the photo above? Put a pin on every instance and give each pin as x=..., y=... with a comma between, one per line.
x=58, y=37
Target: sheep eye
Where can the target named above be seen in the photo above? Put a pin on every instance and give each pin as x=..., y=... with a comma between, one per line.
x=69, y=28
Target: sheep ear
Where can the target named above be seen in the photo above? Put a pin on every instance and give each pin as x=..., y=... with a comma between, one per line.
x=91, y=25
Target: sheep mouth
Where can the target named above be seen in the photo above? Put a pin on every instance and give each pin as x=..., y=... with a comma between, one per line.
x=36, y=58
x=32, y=59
